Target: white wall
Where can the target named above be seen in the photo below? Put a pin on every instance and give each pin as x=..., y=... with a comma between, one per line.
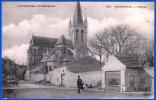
x=87, y=78
x=71, y=78
x=37, y=77
x=55, y=76
x=27, y=75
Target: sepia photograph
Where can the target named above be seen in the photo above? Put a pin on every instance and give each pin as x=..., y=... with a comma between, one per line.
x=78, y=50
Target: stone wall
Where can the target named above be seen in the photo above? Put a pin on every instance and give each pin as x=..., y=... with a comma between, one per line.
x=70, y=78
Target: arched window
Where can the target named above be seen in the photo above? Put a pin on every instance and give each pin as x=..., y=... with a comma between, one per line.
x=50, y=68
x=82, y=35
x=76, y=35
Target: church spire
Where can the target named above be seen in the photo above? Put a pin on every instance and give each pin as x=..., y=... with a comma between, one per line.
x=78, y=20
x=78, y=33
x=85, y=21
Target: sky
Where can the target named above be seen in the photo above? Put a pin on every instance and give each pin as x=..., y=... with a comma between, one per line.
x=51, y=19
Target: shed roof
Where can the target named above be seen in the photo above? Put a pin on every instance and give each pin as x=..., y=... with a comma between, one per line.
x=131, y=61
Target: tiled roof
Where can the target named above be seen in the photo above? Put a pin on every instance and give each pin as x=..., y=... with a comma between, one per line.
x=131, y=61
x=86, y=64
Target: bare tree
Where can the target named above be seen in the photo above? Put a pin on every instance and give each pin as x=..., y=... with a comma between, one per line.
x=124, y=36
x=101, y=44
x=97, y=48
x=118, y=40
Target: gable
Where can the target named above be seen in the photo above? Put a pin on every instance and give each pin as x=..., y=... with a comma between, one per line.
x=113, y=64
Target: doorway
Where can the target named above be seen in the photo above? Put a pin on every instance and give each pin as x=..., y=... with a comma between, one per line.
x=62, y=79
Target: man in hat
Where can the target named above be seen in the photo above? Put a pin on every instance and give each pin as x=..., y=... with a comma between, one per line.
x=79, y=84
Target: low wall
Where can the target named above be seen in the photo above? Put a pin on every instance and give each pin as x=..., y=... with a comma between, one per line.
x=37, y=77
x=87, y=78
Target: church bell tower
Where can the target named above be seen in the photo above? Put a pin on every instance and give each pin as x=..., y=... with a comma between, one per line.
x=78, y=32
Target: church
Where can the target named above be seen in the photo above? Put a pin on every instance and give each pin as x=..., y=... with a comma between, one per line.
x=61, y=60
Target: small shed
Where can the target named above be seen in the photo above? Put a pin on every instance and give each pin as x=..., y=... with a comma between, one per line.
x=125, y=74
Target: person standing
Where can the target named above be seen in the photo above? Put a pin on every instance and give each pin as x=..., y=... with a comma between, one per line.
x=79, y=84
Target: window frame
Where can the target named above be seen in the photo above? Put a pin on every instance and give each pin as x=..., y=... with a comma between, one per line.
x=106, y=78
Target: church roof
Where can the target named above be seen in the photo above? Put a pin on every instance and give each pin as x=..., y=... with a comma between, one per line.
x=48, y=42
x=44, y=41
x=78, y=20
x=86, y=64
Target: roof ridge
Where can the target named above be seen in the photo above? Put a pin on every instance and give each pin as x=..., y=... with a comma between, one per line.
x=44, y=37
